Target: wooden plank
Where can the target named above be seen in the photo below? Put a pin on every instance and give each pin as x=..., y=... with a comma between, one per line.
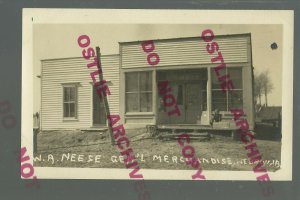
x=172, y=137
x=190, y=134
x=106, y=106
x=193, y=127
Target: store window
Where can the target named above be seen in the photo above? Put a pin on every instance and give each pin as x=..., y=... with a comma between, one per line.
x=70, y=101
x=138, y=89
x=224, y=101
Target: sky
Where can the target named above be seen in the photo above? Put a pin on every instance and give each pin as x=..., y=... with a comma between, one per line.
x=60, y=41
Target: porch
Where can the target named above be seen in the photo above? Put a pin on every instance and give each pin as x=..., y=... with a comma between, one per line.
x=195, y=131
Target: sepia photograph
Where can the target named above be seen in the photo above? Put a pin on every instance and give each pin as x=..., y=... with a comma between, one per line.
x=156, y=98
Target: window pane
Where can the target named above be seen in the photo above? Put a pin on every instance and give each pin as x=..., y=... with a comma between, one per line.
x=72, y=94
x=69, y=101
x=145, y=81
x=214, y=81
x=236, y=77
x=131, y=82
x=146, y=102
x=235, y=99
x=66, y=94
x=72, y=110
x=66, y=110
x=132, y=102
x=219, y=100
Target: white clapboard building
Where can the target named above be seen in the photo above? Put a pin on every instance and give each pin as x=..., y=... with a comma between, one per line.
x=69, y=101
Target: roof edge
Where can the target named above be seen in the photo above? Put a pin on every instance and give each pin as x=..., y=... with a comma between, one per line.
x=108, y=55
x=187, y=38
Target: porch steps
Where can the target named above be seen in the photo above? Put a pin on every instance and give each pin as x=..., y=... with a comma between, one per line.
x=195, y=131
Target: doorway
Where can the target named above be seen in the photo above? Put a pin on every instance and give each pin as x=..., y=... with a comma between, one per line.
x=189, y=89
x=99, y=116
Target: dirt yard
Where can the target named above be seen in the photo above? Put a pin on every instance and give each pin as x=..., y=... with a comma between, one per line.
x=92, y=149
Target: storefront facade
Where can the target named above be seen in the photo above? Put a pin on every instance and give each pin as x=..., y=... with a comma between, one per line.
x=186, y=65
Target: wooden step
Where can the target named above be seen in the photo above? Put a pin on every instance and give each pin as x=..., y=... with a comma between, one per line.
x=95, y=129
x=204, y=135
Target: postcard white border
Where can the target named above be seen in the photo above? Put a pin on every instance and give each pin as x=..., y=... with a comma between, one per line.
x=118, y=16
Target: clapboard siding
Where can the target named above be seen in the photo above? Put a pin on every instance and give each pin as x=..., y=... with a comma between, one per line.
x=187, y=51
x=56, y=72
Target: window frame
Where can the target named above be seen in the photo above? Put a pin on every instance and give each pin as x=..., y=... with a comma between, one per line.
x=227, y=92
x=75, y=101
x=139, y=92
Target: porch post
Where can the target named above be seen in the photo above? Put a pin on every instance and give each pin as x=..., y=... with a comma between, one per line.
x=154, y=103
x=209, y=93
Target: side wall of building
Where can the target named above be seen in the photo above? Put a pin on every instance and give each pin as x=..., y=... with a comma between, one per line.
x=57, y=72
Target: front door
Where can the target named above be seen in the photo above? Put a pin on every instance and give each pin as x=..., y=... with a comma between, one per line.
x=99, y=116
x=178, y=90
x=189, y=90
x=189, y=101
x=193, y=102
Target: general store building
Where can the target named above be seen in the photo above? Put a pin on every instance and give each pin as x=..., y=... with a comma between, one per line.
x=69, y=101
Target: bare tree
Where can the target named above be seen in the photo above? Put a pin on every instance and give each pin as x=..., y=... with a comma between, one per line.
x=267, y=85
x=258, y=88
x=262, y=86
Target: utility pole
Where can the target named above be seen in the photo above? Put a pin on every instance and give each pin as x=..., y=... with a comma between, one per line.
x=104, y=97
